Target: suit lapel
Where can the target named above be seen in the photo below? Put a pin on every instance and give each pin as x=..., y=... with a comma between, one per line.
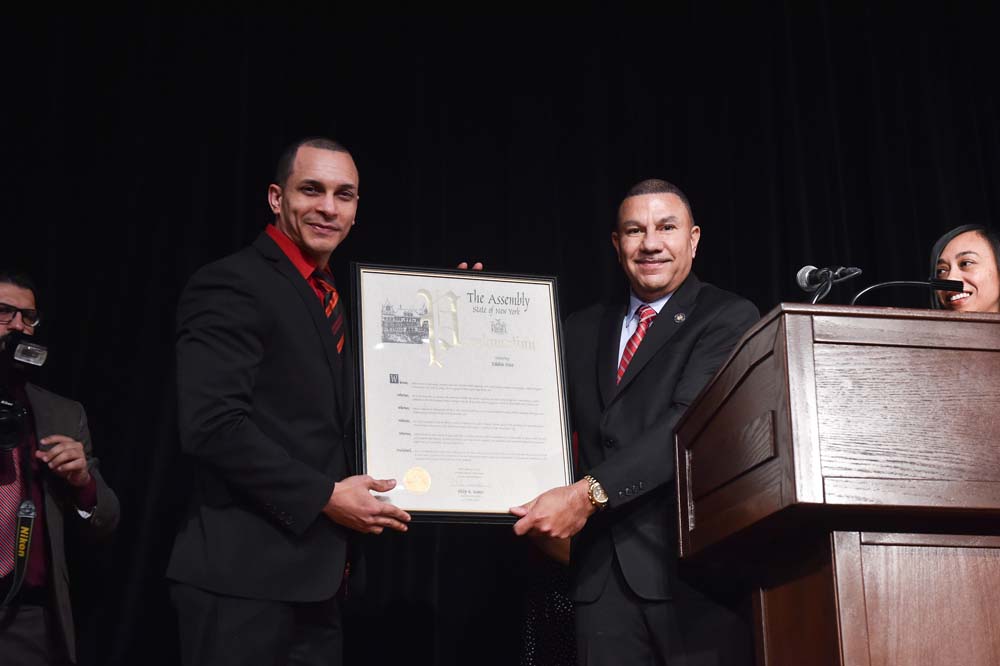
x=271, y=252
x=672, y=317
x=45, y=417
x=607, y=350
x=347, y=401
x=48, y=422
x=40, y=410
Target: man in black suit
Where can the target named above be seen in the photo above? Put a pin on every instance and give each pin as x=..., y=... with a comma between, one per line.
x=51, y=464
x=265, y=392
x=633, y=367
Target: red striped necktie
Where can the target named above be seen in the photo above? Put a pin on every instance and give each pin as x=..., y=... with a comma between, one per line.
x=646, y=316
x=332, y=306
x=11, y=491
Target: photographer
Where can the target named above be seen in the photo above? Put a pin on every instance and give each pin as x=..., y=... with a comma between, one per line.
x=48, y=482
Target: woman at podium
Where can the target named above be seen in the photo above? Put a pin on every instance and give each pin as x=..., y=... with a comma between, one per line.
x=969, y=253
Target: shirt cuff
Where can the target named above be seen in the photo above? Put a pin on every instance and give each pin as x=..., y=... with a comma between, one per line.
x=86, y=498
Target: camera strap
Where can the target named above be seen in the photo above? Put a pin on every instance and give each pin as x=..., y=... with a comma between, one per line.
x=26, y=514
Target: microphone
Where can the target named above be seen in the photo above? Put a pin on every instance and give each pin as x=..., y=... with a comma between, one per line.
x=810, y=278
x=820, y=280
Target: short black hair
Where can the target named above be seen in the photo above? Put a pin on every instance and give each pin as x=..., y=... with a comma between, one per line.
x=658, y=186
x=19, y=280
x=287, y=159
x=987, y=234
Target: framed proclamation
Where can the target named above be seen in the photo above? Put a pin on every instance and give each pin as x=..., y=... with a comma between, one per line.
x=460, y=390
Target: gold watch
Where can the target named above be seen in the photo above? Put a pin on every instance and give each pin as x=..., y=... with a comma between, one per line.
x=595, y=493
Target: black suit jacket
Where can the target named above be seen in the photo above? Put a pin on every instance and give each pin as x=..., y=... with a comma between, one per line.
x=626, y=431
x=266, y=410
x=55, y=415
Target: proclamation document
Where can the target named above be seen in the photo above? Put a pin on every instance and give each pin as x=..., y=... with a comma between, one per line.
x=461, y=390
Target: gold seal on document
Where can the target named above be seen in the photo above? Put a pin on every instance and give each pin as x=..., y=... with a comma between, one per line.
x=417, y=480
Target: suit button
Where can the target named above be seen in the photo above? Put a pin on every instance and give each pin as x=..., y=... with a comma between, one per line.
x=628, y=491
x=621, y=493
x=640, y=485
x=610, y=443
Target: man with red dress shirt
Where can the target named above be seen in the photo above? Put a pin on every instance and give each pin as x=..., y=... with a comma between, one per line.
x=50, y=464
x=265, y=391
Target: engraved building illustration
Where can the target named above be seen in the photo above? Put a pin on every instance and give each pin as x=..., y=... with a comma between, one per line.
x=402, y=325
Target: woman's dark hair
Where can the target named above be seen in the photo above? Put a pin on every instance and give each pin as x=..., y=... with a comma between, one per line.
x=989, y=235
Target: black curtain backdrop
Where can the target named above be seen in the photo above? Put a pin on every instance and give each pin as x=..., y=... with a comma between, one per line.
x=136, y=149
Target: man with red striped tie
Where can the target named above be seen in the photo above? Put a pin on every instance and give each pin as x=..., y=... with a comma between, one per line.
x=633, y=367
x=265, y=397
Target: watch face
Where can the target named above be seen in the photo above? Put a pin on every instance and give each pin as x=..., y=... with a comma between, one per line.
x=599, y=494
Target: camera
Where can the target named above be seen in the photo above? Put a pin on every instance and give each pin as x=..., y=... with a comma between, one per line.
x=13, y=417
x=16, y=354
x=19, y=351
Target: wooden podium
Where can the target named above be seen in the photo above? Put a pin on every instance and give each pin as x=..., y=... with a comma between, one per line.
x=846, y=460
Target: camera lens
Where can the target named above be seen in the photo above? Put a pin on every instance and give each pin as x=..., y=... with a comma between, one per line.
x=12, y=421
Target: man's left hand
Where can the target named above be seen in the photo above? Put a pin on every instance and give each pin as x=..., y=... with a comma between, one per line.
x=559, y=513
x=66, y=458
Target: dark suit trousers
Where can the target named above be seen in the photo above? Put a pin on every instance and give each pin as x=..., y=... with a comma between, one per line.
x=26, y=637
x=621, y=629
x=217, y=630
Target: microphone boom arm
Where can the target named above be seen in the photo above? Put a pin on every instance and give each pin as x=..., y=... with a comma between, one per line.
x=936, y=285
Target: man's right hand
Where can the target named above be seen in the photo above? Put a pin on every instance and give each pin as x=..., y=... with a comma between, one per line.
x=354, y=507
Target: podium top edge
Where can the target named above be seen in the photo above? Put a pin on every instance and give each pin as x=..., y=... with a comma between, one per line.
x=878, y=312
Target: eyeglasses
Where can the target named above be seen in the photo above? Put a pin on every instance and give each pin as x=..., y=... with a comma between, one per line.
x=29, y=316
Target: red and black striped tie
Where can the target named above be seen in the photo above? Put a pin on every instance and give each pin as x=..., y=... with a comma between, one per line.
x=332, y=306
x=11, y=491
x=646, y=316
